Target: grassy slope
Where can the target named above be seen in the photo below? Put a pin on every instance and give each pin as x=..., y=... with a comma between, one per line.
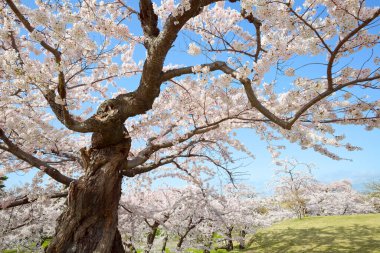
x=355, y=233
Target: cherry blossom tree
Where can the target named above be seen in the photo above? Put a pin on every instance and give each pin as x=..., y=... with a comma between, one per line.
x=294, y=186
x=2, y=179
x=299, y=191
x=27, y=226
x=91, y=93
x=373, y=191
x=373, y=188
x=189, y=217
x=338, y=198
x=169, y=210
x=235, y=213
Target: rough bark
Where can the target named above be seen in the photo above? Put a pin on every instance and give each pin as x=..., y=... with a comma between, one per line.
x=89, y=223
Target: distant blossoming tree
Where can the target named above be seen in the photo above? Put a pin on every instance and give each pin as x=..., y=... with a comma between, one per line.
x=2, y=179
x=294, y=186
x=373, y=191
x=338, y=198
x=299, y=191
x=93, y=91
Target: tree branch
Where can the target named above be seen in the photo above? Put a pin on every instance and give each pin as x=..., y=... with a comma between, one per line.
x=333, y=54
x=167, y=75
x=24, y=156
x=30, y=29
x=141, y=100
x=144, y=154
x=26, y=200
x=254, y=100
x=61, y=112
x=325, y=94
x=257, y=23
x=312, y=28
x=148, y=19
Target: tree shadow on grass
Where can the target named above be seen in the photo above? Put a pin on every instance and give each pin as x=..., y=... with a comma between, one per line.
x=356, y=238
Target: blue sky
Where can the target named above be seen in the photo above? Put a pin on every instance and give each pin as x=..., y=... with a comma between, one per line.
x=363, y=167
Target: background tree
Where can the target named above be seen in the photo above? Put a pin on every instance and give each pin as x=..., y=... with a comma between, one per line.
x=2, y=186
x=165, y=211
x=337, y=198
x=373, y=190
x=298, y=190
x=27, y=226
x=88, y=97
x=237, y=215
x=294, y=186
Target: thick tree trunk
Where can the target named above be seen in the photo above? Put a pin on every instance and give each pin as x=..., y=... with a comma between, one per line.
x=89, y=224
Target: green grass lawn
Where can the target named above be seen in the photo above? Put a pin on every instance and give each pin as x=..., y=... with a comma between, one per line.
x=354, y=233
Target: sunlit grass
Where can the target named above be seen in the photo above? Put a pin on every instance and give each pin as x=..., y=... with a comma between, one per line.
x=354, y=233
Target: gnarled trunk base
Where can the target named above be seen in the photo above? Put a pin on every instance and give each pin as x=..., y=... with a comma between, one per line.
x=89, y=223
